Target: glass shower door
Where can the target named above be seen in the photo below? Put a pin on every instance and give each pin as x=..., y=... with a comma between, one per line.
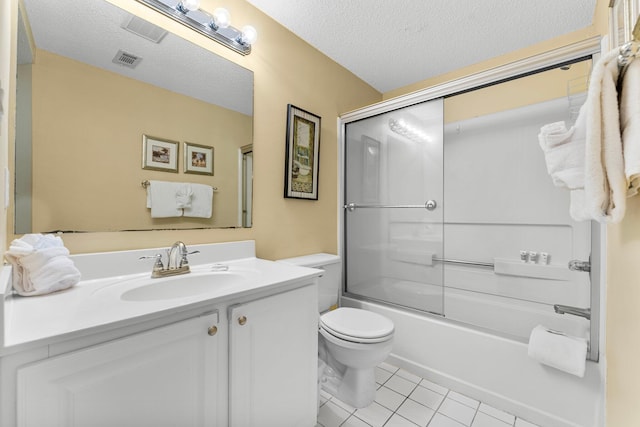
x=393, y=212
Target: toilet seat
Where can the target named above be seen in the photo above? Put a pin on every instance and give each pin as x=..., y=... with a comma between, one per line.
x=357, y=325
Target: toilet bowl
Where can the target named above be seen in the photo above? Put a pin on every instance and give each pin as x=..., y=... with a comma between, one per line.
x=351, y=341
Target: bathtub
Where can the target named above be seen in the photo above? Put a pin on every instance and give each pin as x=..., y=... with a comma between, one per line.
x=493, y=368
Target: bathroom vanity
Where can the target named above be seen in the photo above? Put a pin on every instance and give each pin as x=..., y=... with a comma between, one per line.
x=234, y=343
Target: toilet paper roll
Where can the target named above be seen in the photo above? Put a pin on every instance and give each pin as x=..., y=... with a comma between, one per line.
x=558, y=350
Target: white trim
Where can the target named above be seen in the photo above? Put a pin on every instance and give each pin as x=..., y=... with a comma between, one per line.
x=522, y=66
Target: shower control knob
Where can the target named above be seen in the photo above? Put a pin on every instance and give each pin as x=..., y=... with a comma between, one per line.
x=212, y=330
x=430, y=205
x=242, y=320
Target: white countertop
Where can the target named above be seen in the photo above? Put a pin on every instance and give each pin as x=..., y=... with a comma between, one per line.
x=96, y=305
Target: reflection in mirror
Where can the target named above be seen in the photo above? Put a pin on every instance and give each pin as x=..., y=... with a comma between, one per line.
x=92, y=81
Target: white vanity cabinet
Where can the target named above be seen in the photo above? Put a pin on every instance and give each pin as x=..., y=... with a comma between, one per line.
x=250, y=361
x=169, y=376
x=273, y=367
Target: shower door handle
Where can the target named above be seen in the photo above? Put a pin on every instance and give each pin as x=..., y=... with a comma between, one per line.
x=428, y=205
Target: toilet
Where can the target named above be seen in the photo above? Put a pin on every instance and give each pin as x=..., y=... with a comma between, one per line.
x=351, y=341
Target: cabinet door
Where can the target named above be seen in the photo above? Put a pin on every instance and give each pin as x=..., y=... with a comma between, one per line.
x=165, y=377
x=273, y=360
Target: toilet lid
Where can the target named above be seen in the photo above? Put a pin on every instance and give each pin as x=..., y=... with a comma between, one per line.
x=356, y=324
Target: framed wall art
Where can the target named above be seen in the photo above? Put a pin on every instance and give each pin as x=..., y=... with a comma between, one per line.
x=302, y=154
x=198, y=159
x=159, y=154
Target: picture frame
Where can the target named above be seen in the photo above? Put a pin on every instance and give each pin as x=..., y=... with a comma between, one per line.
x=159, y=154
x=302, y=154
x=198, y=159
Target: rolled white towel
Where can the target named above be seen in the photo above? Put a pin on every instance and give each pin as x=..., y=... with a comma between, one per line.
x=41, y=265
x=558, y=350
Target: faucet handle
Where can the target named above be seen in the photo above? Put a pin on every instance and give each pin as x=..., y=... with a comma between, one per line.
x=157, y=266
x=184, y=260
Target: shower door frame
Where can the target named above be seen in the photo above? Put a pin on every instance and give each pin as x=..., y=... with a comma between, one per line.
x=588, y=48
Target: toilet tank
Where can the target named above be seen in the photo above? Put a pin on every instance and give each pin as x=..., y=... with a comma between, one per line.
x=329, y=282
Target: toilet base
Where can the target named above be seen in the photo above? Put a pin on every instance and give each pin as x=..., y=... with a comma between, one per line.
x=356, y=387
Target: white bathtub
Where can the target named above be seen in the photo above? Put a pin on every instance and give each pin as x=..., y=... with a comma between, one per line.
x=493, y=369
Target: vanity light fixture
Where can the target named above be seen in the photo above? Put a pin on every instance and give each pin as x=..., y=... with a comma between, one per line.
x=402, y=127
x=216, y=26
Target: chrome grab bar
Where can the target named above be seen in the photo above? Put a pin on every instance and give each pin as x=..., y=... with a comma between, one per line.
x=428, y=205
x=461, y=262
x=574, y=311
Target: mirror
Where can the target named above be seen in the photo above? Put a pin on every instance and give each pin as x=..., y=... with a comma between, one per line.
x=90, y=91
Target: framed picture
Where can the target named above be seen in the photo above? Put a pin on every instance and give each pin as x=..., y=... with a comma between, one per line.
x=302, y=154
x=159, y=154
x=198, y=159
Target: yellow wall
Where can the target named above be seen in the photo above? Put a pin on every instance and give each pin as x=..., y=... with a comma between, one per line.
x=286, y=71
x=87, y=148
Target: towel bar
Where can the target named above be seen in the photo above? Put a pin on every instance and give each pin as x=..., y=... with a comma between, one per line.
x=146, y=183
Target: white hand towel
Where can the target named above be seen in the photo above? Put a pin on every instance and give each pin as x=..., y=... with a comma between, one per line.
x=630, y=125
x=201, y=201
x=558, y=350
x=161, y=198
x=183, y=196
x=41, y=265
x=564, y=152
x=605, y=183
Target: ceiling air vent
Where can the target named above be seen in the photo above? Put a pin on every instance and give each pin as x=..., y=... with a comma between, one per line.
x=144, y=29
x=126, y=59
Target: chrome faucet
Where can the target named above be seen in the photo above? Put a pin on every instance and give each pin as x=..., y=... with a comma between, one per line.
x=567, y=309
x=175, y=255
x=177, y=262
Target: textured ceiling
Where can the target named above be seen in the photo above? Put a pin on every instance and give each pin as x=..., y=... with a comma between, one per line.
x=390, y=44
x=90, y=31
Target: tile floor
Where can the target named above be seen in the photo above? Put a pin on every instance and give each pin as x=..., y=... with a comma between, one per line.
x=406, y=400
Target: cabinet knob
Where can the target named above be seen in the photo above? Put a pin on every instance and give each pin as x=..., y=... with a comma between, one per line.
x=212, y=330
x=242, y=320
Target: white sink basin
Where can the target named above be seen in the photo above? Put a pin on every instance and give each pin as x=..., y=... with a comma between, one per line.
x=182, y=286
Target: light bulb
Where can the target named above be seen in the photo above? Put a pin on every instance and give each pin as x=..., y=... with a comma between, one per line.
x=221, y=18
x=249, y=35
x=188, y=5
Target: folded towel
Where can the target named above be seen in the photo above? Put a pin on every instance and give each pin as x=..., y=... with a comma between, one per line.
x=201, y=201
x=183, y=196
x=630, y=125
x=564, y=152
x=558, y=350
x=41, y=265
x=161, y=198
x=605, y=183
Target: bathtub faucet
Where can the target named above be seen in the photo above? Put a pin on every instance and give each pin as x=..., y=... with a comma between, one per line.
x=567, y=309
